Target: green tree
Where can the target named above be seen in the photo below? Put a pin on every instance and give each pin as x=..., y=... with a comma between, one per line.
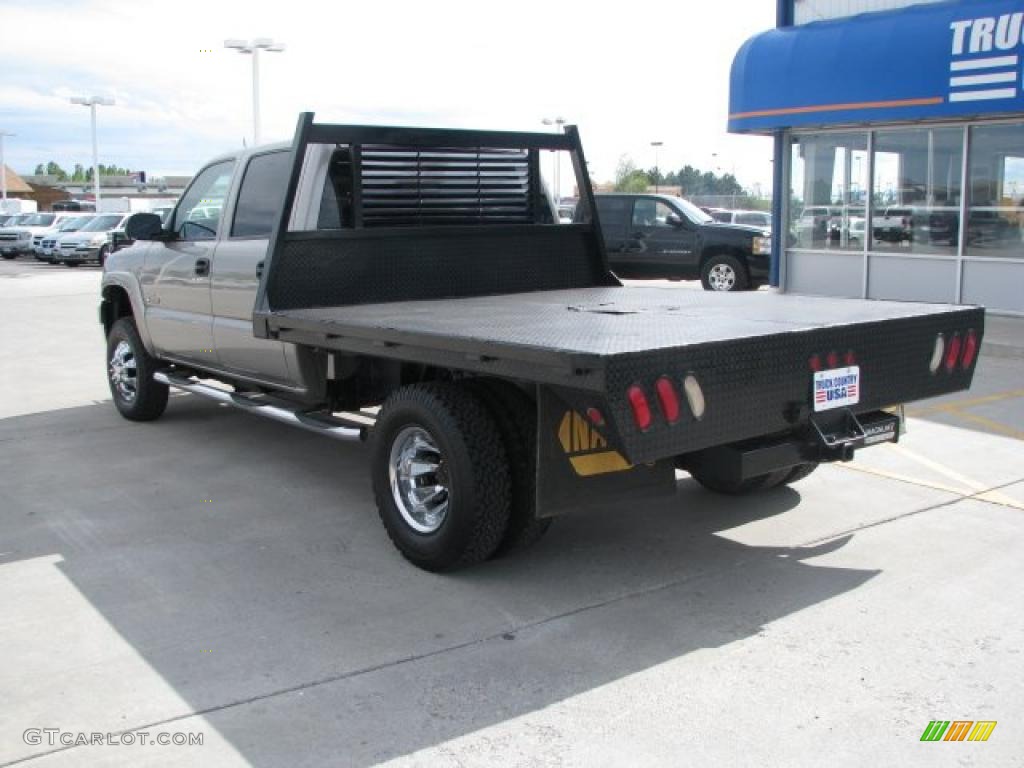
x=79, y=173
x=40, y=170
x=53, y=169
x=629, y=178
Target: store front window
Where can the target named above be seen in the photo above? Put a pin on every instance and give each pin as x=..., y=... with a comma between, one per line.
x=915, y=201
x=996, y=202
x=829, y=191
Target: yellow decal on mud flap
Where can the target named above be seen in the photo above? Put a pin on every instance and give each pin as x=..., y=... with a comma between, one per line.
x=587, y=448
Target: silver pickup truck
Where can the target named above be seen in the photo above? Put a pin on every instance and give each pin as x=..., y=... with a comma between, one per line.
x=415, y=288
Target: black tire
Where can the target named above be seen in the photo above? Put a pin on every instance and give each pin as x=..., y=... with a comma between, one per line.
x=104, y=252
x=799, y=472
x=516, y=416
x=719, y=484
x=150, y=398
x=729, y=264
x=475, y=470
x=708, y=477
x=70, y=263
x=9, y=256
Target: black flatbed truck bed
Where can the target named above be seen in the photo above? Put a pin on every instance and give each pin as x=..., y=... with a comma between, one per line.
x=450, y=268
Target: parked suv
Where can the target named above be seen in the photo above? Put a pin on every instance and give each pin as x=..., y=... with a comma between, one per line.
x=17, y=239
x=92, y=242
x=658, y=236
x=760, y=219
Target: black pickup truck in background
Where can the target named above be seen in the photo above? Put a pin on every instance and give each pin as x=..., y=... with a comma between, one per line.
x=659, y=236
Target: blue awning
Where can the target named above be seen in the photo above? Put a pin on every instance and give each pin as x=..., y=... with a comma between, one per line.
x=940, y=60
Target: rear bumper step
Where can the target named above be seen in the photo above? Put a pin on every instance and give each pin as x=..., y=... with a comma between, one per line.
x=313, y=421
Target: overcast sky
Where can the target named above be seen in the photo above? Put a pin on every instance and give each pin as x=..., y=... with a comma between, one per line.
x=626, y=73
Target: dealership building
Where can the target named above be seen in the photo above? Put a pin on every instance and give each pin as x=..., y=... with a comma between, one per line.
x=899, y=147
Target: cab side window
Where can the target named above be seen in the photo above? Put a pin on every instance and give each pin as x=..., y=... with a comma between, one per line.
x=262, y=195
x=651, y=213
x=198, y=214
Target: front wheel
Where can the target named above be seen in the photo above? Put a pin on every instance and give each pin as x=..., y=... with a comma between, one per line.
x=137, y=396
x=440, y=476
x=723, y=272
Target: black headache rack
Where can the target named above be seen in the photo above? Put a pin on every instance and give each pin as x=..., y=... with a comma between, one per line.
x=536, y=302
x=429, y=214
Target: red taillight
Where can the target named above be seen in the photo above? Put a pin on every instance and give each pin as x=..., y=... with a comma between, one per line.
x=595, y=416
x=832, y=360
x=849, y=358
x=641, y=409
x=668, y=398
x=970, y=349
x=953, y=352
x=815, y=363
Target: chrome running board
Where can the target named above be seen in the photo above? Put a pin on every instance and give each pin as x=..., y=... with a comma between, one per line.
x=314, y=421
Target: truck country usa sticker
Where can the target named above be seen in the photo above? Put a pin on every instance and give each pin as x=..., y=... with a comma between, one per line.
x=836, y=388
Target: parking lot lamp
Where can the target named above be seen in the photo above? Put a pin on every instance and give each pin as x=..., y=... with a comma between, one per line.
x=254, y=47
x=3, y=166
x=558, y=122
x=92, y=102
x=657, y=173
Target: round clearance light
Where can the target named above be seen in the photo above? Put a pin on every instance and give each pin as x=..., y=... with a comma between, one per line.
x=668, y=398
x=694, y=396
x=814, y=363
x=832, y=360
x=641, y=408
x=953, y=352
x=849, y=358
x=937, y=352
x=595, y=416
x=970, y=349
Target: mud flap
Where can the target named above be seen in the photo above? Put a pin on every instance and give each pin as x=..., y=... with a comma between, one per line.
x=578, y=466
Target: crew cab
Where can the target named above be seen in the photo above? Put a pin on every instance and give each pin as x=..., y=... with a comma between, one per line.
x=413, y=288
x=660, y=236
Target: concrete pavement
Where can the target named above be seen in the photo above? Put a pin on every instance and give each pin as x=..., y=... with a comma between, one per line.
x=213, y=573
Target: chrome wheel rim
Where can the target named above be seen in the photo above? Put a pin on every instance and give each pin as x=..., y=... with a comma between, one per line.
x=124, y=372
x=419, y=480
x=722, y=277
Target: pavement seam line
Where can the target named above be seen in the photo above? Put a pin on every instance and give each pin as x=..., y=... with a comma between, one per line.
x=895, y=518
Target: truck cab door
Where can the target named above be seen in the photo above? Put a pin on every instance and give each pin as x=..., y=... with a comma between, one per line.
x=236, y=271
x=176, y=278
x=663, y=240
x=613, y=212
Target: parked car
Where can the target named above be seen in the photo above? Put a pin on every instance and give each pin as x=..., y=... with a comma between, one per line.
x=812, y=228
x=895, y=225
x=17, y=240
x=760, y=219
x=92, y=242
x=48, y=243
x=659, y=236
x=68, y=223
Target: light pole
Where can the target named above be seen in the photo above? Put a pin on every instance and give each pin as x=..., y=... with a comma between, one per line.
x=254, y=47
x=657, y=173
x=3, y=166
x=92, y=102
x=558, y=122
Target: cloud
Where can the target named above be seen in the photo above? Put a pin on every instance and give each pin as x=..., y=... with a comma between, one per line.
x=625, y=75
